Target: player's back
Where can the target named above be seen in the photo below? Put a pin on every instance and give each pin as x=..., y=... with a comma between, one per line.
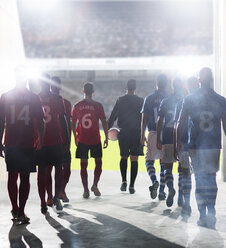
x=53, y=107
x=88, y=113
x=206, y=108
x=129, y=111
x=20, y=107
x=167, y=112
x=151, y=107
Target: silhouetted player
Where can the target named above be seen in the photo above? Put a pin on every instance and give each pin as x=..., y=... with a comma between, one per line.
x=20, y=109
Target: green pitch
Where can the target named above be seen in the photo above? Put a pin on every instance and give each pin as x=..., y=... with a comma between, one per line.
x=111, y=158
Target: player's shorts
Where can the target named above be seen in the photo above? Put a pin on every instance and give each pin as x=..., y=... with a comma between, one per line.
x=50, y=155
x=129, y=143
x=82, y=151
x=184, y=159
x=205, y=160
x=168, y=154
x=20, y=160
x=66, y=154
x=152, y=152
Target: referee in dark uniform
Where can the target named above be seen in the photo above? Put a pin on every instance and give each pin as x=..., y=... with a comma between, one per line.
x=127, y=111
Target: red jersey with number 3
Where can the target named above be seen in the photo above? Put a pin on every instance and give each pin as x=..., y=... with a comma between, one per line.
x=21, y=109
x=53, y=107
x=88, y=113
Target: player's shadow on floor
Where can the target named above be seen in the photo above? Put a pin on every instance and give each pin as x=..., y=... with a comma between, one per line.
x=172, y=214
x=147, y=207
x=19, y=232
x=90, y=229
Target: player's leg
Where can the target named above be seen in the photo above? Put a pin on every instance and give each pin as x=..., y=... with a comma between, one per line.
x=13, y=192
x=48, y=183
x=169, y=182
x=180, y=200
x=66, y=173
x=96, y=152
x=186, y=188
x=162, y=194
x=24, y=190
x=42, y=187
x=123, y=171
x=133, y=173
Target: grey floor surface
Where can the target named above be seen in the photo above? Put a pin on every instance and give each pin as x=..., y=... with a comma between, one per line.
x=113, y=220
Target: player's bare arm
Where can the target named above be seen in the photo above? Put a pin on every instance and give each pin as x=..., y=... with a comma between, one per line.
x=2, y=127
x=41, y=131
x=181, y=122
x=224, y=123
x=159, y=130
x=143, y=128
x=175, y=141
x=64, y=125
x=74, y=128
x=105, y=128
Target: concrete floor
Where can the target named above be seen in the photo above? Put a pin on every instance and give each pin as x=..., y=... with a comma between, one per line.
x=113, y=220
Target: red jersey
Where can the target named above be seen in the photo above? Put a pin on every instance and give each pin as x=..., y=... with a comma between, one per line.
x=67, y=107
x=21, y=109
x=53, y=107
x=88, y=113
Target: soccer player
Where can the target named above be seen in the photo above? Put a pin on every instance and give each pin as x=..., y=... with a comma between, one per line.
x=20, y=109
x=149, y=118
x=207, y=110
x=184, y=160
x=85, y=125
x=127, y=111
x=165, y=127
x=51, y=152
x=66, y=162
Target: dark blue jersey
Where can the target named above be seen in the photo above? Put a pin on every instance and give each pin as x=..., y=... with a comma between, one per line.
x=151, y=107
x=167, y=112
x=206, y=109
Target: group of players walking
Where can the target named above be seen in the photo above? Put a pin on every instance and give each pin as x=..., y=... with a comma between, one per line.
x=187, y=129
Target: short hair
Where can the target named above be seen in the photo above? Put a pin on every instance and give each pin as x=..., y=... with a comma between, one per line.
x=131, y=85
x=161, y=81
x=88, y=88
x=206, y=76
x=56, y=79
x=177, y=83
x=192, y=83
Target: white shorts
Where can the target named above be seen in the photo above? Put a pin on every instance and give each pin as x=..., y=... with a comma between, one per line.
x=152, y=152
x=168, y=154
x=205, y=160
x=184, y=159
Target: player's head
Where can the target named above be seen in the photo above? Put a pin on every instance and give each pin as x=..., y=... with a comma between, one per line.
x=88, y=89
x=206, y=77
x=177, y=85
x=20, y=77
x=161, y=82
x=131, y=85
x=44, y=82
x=56, y=84
x=192, y=84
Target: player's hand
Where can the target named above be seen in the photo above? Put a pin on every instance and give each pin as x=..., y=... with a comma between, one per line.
x=159, y=145
x=1, y=151
x=105, y=143
x=143, y=141
x=176, y=155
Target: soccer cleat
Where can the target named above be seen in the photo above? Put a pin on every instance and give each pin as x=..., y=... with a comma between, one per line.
x=162, y=196
x=153, y=189
x=14, y=214
x=86, y=194
x=186, y=210
x=123, y=186
x=23, y=219
x=169, y=200
x=44, y=209
x=180, y=200
x=132, y=190
x=57, y=204
x=95, y=190
x=63, y=197
x=49, y=202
